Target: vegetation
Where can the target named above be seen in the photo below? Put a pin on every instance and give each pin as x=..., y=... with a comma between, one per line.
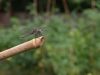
x=72, y=44
x=73, y=50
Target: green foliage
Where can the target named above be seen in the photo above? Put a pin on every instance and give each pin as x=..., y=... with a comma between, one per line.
x=98, y=4
x=32, y=9
x=71, y=47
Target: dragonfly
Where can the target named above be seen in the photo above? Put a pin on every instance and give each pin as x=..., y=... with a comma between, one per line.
x=37, y=31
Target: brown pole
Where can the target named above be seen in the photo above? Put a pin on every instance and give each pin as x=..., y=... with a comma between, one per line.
x=34, y=43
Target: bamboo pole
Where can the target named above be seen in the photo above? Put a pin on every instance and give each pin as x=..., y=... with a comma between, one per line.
x=34, y=43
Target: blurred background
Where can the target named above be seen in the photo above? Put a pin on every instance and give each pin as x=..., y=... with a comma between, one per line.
x=72, y=39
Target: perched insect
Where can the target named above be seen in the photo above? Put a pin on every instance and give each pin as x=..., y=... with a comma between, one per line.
x=36, y=32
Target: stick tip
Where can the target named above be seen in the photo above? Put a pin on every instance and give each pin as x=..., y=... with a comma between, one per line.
x=38, y=41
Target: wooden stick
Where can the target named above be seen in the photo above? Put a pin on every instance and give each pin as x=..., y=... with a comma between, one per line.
x=34, y=43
